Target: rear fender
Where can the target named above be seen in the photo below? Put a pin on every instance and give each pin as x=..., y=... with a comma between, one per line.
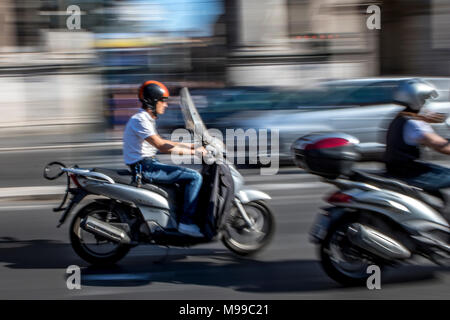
x=376, y=218
x=77, y=196
x=396, y=206
x=324, y=222
x=336, y=214
x=249, y=195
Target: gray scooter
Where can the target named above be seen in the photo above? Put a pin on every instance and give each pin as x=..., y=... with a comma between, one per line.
x=373, y=219
x=123, y=215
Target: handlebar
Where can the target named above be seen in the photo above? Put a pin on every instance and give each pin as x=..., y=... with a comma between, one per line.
x=48, y=169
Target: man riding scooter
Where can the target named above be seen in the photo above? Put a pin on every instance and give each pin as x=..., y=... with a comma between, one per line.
x=376, y=219
x=408, y=131
x=141, y=141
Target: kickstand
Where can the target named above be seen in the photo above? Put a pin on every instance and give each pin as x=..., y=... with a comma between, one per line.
x=164, y=259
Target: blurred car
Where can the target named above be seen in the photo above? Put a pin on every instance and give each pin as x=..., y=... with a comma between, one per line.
x=215, y=104
x=360, y=107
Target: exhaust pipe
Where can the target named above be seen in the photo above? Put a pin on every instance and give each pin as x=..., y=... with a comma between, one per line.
x=105, y=230
x=376, y=242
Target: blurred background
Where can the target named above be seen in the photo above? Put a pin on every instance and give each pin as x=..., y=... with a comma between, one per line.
x=69, y=79
x=69, y=86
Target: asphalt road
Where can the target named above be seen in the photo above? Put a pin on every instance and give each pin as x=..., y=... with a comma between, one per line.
x=34, y=254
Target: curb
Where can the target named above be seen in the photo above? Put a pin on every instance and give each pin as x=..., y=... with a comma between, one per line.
x=32, y=193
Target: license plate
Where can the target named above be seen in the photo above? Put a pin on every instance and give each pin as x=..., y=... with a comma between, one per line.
x=320, y=228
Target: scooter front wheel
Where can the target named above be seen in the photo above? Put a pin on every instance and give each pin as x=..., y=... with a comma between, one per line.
x=246, y=240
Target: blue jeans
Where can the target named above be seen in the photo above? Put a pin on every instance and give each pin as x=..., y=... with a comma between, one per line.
x=434, y=179
x=156, y=172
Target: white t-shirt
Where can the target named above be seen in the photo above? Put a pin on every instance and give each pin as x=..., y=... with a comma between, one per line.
x=414, y=130
x=139, y=127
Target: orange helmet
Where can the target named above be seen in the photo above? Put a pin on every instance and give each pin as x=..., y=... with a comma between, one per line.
x=151, y=92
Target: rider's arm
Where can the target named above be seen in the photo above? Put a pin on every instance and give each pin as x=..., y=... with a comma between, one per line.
x=186, y=145
x=420, y=132
x=167, y=146
x=435, y=142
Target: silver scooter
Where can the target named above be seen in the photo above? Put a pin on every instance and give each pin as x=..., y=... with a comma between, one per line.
x=123, y=215
x=374, y=219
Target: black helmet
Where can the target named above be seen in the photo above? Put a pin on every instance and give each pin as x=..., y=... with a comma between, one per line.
x=151, y=92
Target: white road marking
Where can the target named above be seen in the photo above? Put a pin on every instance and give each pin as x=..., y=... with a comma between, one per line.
x=287, y=186
x=255, y=178
x=56, y=190
x=31, y=191
x=19, y=208
x=297, y=196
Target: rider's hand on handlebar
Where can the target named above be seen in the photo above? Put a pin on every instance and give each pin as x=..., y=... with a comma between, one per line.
x=201, y=152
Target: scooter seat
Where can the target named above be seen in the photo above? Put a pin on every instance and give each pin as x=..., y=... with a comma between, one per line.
x=385, y=180
x=394, y=181
x=124, y=176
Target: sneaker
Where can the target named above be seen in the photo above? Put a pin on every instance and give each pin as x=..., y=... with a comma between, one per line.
x=190, y=229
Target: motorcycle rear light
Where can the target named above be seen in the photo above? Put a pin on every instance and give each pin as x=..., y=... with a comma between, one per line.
x=327, y=143
x=75, y=180
x=339, y=197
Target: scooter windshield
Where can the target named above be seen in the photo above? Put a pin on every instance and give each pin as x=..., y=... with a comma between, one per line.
x=194, y=122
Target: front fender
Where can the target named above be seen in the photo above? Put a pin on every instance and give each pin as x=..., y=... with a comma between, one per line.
x=249, y=195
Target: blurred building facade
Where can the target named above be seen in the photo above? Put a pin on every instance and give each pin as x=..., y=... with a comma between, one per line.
x=291, y=42
x=415, y=37
x=294, y=41
x=52, y=76
x=48, y=78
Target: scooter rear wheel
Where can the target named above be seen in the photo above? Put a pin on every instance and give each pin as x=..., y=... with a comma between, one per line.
x=82, y=241
x=340, y=260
